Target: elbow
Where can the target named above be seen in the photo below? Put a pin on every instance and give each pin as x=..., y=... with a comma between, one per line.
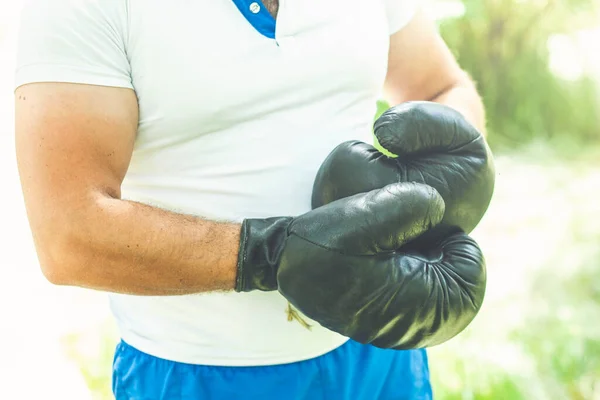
x=62, y=260
x=57, y=275
x=71, y=245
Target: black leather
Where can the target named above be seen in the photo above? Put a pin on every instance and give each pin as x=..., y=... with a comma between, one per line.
x=435, y=145
x=358, y=271
x=400, y=300
x=353, y=266
x=428, y=290
x=261, y=243
x=339, y=227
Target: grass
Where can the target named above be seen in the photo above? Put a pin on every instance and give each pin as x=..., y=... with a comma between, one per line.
x=538, y=335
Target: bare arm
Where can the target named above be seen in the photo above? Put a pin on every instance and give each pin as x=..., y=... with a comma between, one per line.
x=74, y=144
x=421, y=67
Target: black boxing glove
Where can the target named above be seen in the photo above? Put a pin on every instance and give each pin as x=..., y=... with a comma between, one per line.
x=434, y=145
x=340, y=266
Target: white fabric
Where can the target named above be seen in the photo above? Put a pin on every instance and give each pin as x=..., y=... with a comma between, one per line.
x=233, y=125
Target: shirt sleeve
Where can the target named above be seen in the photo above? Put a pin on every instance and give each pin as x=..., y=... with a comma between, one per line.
x=400, y=13
x=74, y=41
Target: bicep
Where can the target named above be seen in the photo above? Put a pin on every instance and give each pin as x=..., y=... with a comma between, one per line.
x=73, y=142
x=420, y=64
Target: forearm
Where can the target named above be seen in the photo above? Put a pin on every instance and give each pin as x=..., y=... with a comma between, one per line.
x=127, y=247
x=463, y=97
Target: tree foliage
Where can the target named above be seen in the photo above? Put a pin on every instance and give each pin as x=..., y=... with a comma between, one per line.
x=503, y=45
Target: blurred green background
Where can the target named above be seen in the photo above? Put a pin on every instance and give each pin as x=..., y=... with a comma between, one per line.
x=537, y=66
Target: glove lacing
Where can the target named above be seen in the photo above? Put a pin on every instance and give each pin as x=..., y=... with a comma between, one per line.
x=293, y=314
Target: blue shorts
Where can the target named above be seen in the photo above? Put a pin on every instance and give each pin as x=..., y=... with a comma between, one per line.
x=350, y=372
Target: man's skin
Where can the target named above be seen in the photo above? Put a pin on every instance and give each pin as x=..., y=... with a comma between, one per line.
x=272, y=6
x=74, y=144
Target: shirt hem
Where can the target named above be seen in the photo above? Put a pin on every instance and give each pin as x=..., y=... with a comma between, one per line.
x=56, y=73
x=146, y=348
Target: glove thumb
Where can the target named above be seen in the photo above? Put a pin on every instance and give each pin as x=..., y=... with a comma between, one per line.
x=381, y=220
x=422, y=127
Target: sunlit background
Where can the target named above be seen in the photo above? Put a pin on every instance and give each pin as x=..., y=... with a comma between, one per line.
x=537, y=64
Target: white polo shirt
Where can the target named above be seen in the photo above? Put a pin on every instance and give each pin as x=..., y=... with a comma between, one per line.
x=237, y=112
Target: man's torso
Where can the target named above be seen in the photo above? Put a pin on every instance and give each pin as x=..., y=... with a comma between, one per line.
x=233, y=125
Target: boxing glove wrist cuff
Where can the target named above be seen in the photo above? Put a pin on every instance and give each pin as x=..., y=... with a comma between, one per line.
x=261, y=243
